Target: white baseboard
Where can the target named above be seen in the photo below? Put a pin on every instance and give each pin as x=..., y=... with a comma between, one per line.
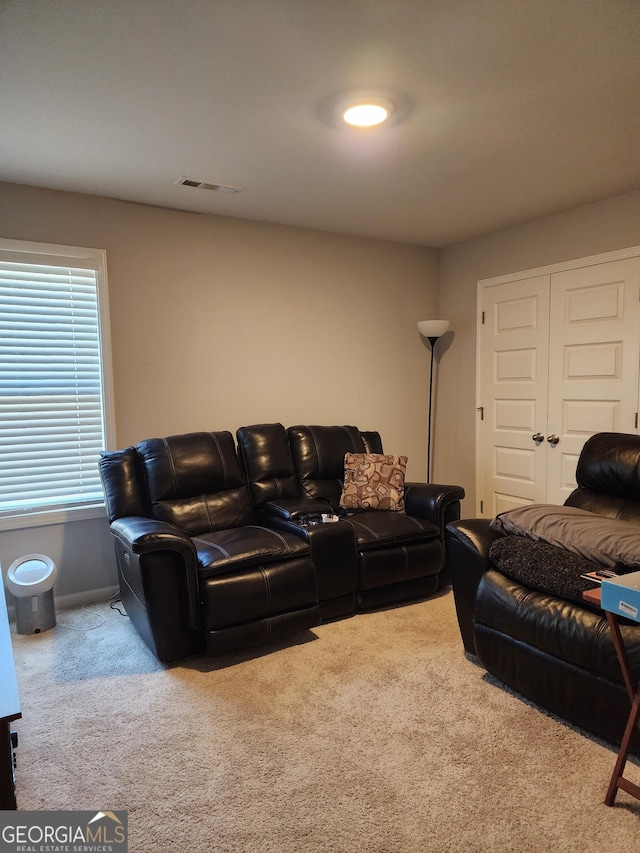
x=89, y=596
x=75, y=599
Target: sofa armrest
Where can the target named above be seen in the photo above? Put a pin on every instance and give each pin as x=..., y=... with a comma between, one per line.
x=296, y=509
x=333, y=551
x=440, y=505
x=468, y=543
x=436, y=503
x=144, y=535
x=146, y=545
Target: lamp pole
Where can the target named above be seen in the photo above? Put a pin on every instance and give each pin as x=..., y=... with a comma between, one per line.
x=432, y=340
x=431, y=330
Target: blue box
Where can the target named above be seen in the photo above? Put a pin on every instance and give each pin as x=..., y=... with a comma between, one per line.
x=621, y=595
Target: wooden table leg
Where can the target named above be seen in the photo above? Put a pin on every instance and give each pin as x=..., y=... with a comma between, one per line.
x=617, y=779
x=621, y=652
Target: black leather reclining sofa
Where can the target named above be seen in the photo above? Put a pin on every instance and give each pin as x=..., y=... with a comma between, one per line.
x=219, y=547
x=532, y=630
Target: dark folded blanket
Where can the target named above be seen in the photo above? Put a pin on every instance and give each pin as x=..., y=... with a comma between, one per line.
x=543, y=567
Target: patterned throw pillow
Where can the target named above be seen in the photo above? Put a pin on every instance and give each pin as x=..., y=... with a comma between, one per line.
x=373, y=481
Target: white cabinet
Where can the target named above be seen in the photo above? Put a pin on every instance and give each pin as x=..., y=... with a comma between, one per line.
x=558, y=360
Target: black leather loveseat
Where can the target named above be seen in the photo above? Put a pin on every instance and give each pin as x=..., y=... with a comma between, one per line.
x=519, y=598
x=220, y=547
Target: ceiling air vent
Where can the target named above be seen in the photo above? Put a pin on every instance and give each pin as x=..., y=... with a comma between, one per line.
x=208, y=185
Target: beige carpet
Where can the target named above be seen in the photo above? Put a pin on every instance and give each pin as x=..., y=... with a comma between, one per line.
x=372, y=734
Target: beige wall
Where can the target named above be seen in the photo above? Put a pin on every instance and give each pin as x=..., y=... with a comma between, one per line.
x=588, y=230
x=220, y=322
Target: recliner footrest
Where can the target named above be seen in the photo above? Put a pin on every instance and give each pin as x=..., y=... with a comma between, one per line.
x=262, y=631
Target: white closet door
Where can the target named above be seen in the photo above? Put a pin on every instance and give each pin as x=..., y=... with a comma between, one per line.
x=594, y=353
x=514, y=377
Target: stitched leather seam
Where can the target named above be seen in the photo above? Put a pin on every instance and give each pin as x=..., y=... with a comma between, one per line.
x=354, y=449
x=141, y=603
x=355, y=524
x=268, y=589
x=206, y=506
x=192, y=596
x=414, y=521
x=225, y=472
x=319, y=457
x=174, y=476
x=270, y=532
x=212, y=545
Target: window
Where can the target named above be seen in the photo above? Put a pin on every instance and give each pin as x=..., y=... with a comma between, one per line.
x=56, y=411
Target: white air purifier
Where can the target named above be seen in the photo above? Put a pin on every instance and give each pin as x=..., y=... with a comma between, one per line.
x=30, y=580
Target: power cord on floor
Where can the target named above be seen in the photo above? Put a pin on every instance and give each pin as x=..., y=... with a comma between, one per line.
x=114, y=601
x=114, y=606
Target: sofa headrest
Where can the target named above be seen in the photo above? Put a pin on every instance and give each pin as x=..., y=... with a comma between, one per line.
x=318, y=455
x=264, y=451
x=318, y=451
x=123, y=483
x=372, y=442
x=610, y=463
x=195, y=482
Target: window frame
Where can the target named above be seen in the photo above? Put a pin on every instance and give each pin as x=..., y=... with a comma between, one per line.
x=96, y=260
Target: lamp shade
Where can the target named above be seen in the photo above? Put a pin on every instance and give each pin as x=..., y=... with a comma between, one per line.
x=433, y=328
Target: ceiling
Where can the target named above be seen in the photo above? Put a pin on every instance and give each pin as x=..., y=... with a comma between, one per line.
x=507, y=110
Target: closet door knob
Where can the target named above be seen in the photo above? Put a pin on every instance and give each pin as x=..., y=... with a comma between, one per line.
x=553, y=439
x=538, y=436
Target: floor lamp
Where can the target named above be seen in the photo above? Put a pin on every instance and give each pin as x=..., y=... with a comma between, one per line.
x=431, y=330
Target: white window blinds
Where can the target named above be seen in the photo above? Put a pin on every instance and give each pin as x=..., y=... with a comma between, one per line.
x=52, y=402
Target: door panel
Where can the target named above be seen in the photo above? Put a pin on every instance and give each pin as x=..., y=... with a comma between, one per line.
x=514, y=377
x=593, y=338
x=559, y=358
x=601, y=415
x=601, y=360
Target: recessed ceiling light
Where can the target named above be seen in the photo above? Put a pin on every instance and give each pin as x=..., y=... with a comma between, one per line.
x=367, y=112
x=365, y=115
x=383, y=106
